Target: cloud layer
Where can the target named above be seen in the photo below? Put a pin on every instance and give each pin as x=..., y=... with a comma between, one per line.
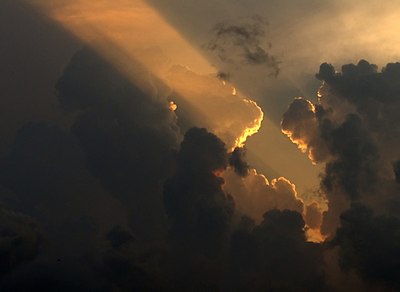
x=353, y=130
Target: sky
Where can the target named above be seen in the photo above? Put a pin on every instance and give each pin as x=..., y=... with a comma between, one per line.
x=225, y=145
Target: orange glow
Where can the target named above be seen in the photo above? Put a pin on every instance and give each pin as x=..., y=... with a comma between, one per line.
x=254, y=194
x=233, y=91
x=302, y=145
x=314, y=235
x=251, y=130
x=303, y=142
x=322, y=90
x=123, y=30
x=172, y=106
x=129, y=26
x=219, y=172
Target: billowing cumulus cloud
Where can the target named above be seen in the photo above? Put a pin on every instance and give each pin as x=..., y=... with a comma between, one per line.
x=112, y=217
x=138, y=180
x=125, y=131
x=354, y=130
x=300, y=124
x=205, y=101
x=369, y=244
x=77, y=184
x=238, y=162
x=97, y=189
x=254, y=194
x=219, y=249
x=275, y=256
x=199, y=210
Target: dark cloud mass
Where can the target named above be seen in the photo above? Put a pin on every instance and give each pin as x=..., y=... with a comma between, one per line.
x=396, y=169
x=121, y=201
x=136, y=183
x=354, y=130
x=370, y=244
x=78, y=184
x=242, y=43
x=274, y=256
x=124, y=132
x=93, y=208
x=238, y=162
x=199, y=210
x=19, y=240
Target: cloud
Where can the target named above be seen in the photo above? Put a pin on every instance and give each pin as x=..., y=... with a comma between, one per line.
x=198, y=209
x=300, y=124
x=354, y=169
x=352, y=129
x=20, y=240
x=126, y=262
x=204, y=101
x=241, y=43
x=238, y=162
x=275, y=256
x=369, y=244
x=396, y=169
x=57, y=187
x=105, y=191
x=125, y=130
x=79, y=183
x=112, y=216
x=254, y=194
x=313, y=216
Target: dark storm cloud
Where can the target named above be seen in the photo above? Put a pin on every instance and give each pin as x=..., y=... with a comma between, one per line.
x=125, y=133
x=46, y=175
x=125, y=262
x=199, y=210
x=119, y=136
x=46, y=158
x=396, y=169
x=274, y=256
x=123, y=207
x=300, y=123
x=363, y=136
x=95, y=190
x=353, y=129
x=119, y=237
x=240, y=43
x=213, y=248
x=271, y=255
x=354, y=170
x=238, y=162
x=370, y=245
x=32, y=57
x=356, y=126
x=19, y=240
